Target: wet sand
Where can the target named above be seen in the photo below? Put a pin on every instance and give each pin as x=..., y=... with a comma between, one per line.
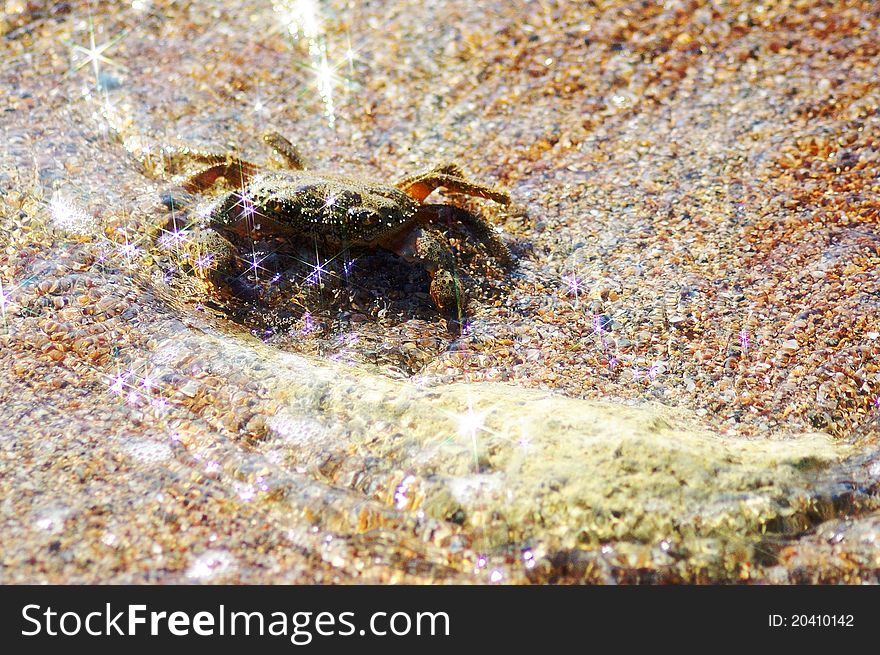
x=677, y=381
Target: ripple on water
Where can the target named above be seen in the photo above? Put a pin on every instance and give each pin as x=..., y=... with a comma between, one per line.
x=298, y=431
x=147, y=452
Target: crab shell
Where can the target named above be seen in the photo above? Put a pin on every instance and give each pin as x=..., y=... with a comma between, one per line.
x=335, y=208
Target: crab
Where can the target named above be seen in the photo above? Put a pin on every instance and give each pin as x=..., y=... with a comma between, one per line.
x=293, y=202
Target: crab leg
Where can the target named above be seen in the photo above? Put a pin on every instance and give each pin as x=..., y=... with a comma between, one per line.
x=452, y=177
x=284, y=149
x=427, y=249
x=236, y=172
x=483, y=230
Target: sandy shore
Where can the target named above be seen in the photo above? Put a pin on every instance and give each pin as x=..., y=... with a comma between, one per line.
x=677, y=381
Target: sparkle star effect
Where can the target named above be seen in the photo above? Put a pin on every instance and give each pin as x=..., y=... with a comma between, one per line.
x=303, y=22
x=173, y=239
x=246, y=202
x=113, y=243
x=316, y=275
x=324, y=80
x=469, y=424
x=302, y=18
x=128, y=250
x=139, y=391
x=204, y=262
x=255, y=264
x=69, y=217
x=94, y=55
x=574, y=286
x=330, y=67
x=117, y=383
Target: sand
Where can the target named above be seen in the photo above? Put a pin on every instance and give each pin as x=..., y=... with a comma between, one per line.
x=676, y=382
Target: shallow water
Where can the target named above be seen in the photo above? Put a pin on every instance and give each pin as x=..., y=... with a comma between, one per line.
x=694, y=224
